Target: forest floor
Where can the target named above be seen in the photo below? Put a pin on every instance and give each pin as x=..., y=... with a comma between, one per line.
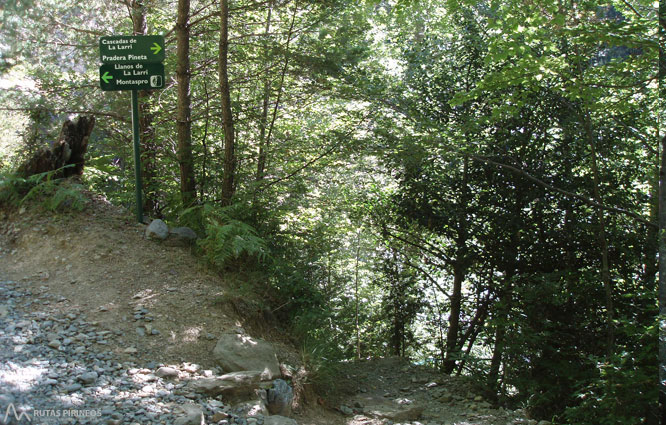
x=99, y=265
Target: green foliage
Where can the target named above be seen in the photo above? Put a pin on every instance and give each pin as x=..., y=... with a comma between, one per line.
x=52, y=194
x=623, y=392
x=322, y=361
x=401, y=119
x=12, y=188
x=228, y=242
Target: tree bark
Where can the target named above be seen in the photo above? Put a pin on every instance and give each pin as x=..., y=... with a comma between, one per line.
x=603, y=243
x=662, y=276
x=149, y=148
x=263, y=122
x=500, y=335
x=68, y=151
x=459, y=269
x=356, y=297
x=454, y=320
x=184, y=123
x=227, y=116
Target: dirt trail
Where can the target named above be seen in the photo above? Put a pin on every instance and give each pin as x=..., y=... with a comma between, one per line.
x=392, y=390
x=98, y=263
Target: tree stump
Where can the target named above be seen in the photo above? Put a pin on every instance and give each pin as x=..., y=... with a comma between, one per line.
x=70, y=149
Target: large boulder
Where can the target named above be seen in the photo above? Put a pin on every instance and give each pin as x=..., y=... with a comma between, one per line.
x=238, y=351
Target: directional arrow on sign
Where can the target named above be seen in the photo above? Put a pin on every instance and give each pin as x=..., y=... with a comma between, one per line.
x=156, y=48
x=106, y=77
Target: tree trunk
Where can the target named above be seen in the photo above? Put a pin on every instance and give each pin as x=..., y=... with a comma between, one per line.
x=662, y=275
x=148, y=146
x=454, y=320
x=459, y=269
x=227, y=116
x=603, y=244
x=68, y=151
x=500, y=334
x=358, y=328
x=263, y=122
x=184, y=124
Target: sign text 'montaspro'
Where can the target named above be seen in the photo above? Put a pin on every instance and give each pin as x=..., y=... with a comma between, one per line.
x=131, y=49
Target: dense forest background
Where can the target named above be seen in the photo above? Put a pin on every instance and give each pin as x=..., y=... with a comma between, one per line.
x=472, y=184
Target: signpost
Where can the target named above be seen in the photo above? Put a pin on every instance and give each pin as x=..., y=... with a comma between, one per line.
x=132, y=62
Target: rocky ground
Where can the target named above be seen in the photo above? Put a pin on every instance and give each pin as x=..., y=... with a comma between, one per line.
x=393, y=391
x=100, y=326
x=58, y=369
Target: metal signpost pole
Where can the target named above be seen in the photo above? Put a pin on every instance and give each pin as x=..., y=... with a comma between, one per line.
x=137, y=155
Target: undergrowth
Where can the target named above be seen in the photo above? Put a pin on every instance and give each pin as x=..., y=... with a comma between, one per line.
x=228, y=242
x=52, y=194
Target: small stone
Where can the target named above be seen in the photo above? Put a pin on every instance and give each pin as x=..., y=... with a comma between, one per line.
x=167, y=372
x=88, y=378
x=219, y=416
x=72, y=387
x=54, y=344
x=130, y=350
x=446, y=398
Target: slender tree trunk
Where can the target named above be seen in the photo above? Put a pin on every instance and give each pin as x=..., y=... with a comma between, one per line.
x=204, y=144
x=651, y=243
x=184, y=124
x=263, y=122
x=662, y=215
x=227, y=115
x=358, y=329
x=267, y=140
x=454, y=320
x=148, y=146
x=459, y=270
x=662, y=275
x=500, y=335
x=603, y=243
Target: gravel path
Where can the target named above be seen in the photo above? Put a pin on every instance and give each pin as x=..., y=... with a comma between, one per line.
x=58, y=368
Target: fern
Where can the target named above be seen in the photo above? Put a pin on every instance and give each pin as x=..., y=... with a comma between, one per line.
x=53, y=194
x=11, y=189
x=228, y=239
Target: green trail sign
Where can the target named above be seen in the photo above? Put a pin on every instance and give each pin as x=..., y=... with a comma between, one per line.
x=131, y=76
x=131, y=49
x=132, y=62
